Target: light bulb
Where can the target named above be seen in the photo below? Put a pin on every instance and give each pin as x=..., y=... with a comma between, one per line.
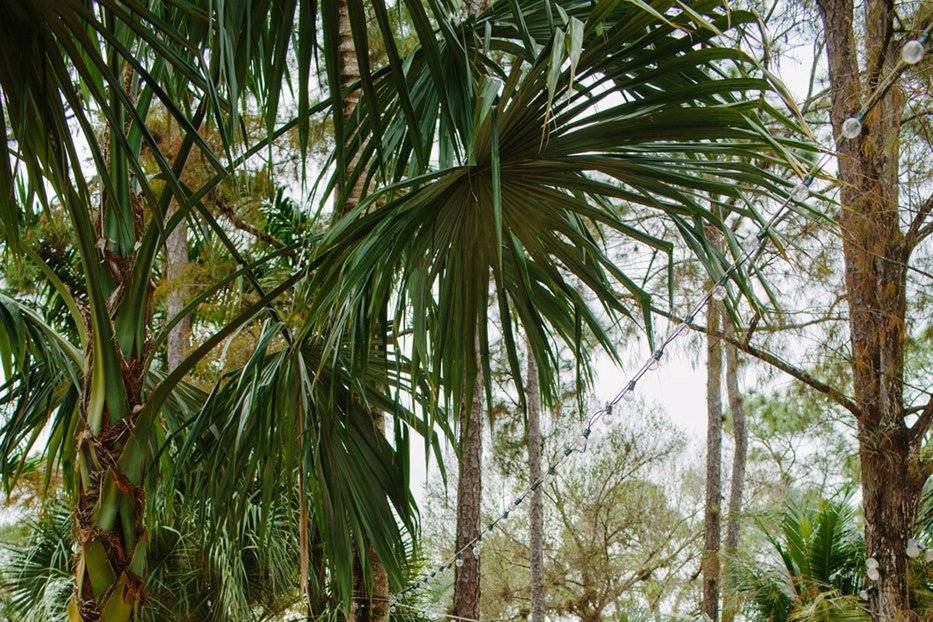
x=852, y=127
x=912, y=52
x=629, y=395
x=654, y=364
x=475, y=551
x=928, y=556
x=392, y=609
x=719, y=293
x=913, y=549
x=863, y=594
x=459, y=563
x=871, y=562
x=873, y=574
x=801, y=191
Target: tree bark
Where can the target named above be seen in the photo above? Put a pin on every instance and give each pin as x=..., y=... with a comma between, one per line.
x=710, y=563
x=469, y=500
x=533, y=440
x=876, y=253
x=740, y=434
x=470, y=479
x=176, y=255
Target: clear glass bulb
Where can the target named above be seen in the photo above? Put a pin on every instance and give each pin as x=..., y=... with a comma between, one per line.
x=873, y=574
x=851, y=127
x=871, y=562
x=392, y=609
x=863, y=594
x=913, y=549
x=475, y=551
x=459, y=563
x=928, y=556
x=719, y=293
x=912, y=52
x=801, y=191
x=629, y=395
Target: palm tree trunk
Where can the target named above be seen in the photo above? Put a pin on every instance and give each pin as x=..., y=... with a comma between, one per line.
x=875, y=251
x=535, y=513
x=348, y=71
x=710, y=563
x=740, y=434
x=469, y=500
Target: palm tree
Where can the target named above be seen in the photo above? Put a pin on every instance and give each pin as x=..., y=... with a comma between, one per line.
x=549, y=123
x=817, y=567
x=79, y=83
x=529, y=176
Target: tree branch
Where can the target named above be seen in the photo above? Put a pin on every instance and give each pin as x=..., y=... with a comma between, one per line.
x=918, y=228
x=772, y=359
x=920, y=427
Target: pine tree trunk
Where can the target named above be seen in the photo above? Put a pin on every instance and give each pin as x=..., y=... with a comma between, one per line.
x=740, y=434
x=470, y=479
x=535, y=514
x=469, y=500
x=875, y=252
x=712, y=519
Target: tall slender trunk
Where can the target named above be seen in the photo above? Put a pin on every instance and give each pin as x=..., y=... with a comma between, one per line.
x=470, y=479
x=533, y=440
x=469, y=500
x=712, y=514
x=739, y=459
x=176, y=254
x=740, y=434
x=875, y=253
x=376, y=585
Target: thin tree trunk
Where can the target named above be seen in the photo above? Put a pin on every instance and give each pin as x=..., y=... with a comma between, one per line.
x=740, y=434
x=348, y=71
x=469, y=500
x=179, y=337
x=710, y=563
x=739, y=459
x=470, y=478
x=875, y=252
x=535, y=514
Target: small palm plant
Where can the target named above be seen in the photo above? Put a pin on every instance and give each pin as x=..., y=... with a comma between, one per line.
x=816, y=571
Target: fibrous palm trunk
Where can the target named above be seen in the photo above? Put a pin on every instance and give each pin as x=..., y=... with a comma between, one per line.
x=712, y=513
x=875, y=252
x=535, y=513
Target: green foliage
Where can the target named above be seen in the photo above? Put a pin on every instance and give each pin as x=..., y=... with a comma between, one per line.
x=814, y=571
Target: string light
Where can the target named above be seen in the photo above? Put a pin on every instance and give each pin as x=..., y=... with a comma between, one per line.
x=719, y=292
x=913, y=549
x=911, y=53
x=852, y=127
x=801, y=191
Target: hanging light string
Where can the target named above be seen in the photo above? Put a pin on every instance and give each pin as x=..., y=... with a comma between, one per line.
x=911, y=54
